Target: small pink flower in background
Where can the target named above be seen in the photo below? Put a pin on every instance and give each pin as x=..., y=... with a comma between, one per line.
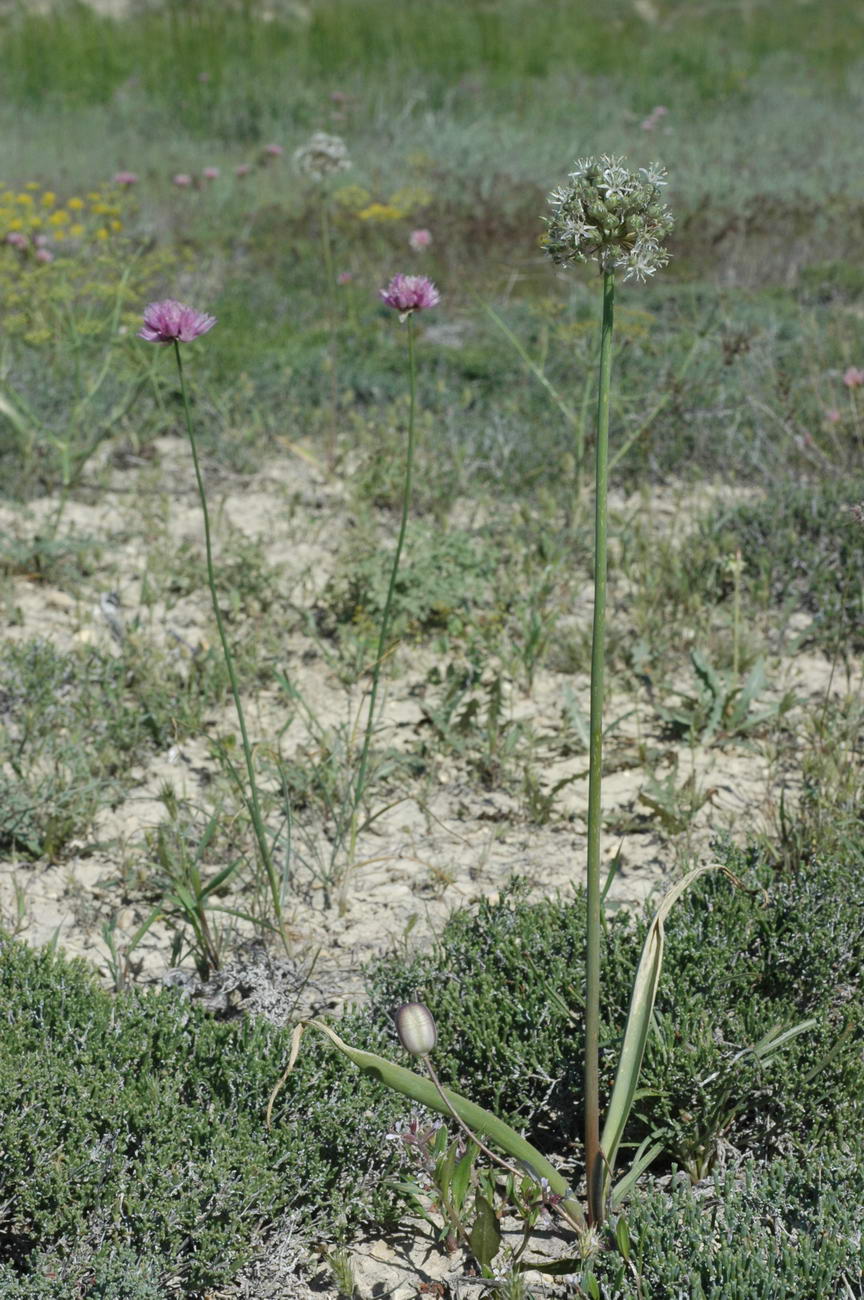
x=126, y=178
x=419, y=239
x=832, y=415
x=407, y=293
x=170, y=321
x=182, y=180
x=40, y=241
x=16, y=239
x=344, y=277
x=242, y=169
x=654, y=117
x=853, y=377
x=210, y=173
x=44, y=255
x=274, y=150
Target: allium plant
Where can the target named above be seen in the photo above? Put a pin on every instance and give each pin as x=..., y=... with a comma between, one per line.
x=615, y=218
x=406, y=294
x=322, y=156
x=171, y=323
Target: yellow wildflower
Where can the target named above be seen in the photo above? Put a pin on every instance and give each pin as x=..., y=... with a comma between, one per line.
x=116, y=225
x=25, y=200
x=352, y=196
x=75, y=204
x=49, y=198
x=101, y=233
x=58, y=218
x=32, y=185
x=100, y=209
x=410, y=197
x=381, y=212
x=77, y=230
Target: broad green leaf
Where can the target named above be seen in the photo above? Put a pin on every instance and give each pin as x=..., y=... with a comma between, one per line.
x=485, y=1236
x=462, y=1175
x=444, y=1170
x=424, y=1091
x=622, y=1237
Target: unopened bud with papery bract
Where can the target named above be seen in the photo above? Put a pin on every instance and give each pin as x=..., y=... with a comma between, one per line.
x=416, y=1028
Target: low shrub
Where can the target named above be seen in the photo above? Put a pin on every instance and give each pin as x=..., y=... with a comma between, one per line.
x=133, y=1127
x=802, y=550
x=788, y=1231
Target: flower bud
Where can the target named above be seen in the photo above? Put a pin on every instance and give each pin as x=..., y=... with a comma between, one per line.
x=416, y=1028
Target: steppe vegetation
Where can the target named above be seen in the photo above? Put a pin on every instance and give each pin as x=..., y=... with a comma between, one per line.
x=406, y=818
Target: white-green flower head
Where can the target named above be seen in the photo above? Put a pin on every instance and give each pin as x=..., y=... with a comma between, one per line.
x=610, y=215
x=323, y=155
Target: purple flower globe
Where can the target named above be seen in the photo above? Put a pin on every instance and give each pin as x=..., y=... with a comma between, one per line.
x=407, y=293
x=173, y=322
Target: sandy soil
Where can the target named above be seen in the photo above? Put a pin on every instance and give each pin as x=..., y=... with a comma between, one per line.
x=438, y=847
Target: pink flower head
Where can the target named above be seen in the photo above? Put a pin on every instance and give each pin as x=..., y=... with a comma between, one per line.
x=126, y=178
x=419, y=239
x=210, y=173
x=16, y=239
x=182, y=180
x=408, y=293
x=656, y=114
x=832, y=415
x=173, y=322
x=344, y=277
x=274, y=150
x=242, y=169
x=853, y=377
x=44, y=255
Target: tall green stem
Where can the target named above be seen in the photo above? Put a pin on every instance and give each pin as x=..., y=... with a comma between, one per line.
x=594, y=1170
x=251, y=799
x=360, y=783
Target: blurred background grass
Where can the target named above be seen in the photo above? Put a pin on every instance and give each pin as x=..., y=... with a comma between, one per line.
x=479, y=110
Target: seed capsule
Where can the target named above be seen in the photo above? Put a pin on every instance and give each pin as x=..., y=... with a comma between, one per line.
x=416, y=1028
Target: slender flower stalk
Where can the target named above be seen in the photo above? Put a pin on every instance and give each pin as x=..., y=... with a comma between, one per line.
x=405, y=294
x=594, y=1171
x=171, y=322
